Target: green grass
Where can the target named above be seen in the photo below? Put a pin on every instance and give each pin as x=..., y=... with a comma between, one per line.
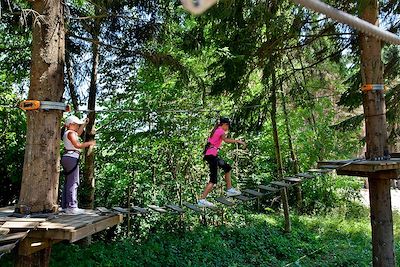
x=340, y=238
x=330, y=240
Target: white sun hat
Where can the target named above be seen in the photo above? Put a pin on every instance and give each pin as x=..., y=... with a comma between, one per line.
x=73, y=119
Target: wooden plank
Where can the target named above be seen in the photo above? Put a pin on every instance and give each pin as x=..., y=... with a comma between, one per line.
x=332, y=167
x=175, y=208
x=244, y=198
x=320, y=170
x=4, y=231
x=121, y=210
x=305, y=175
x=280, y=184
x=20, y=225
x=13, y=237
x=157, y=208
x=95, y=228
x=192, y=207
x=293, y=180
x=268, y=188
x=12, y=219
x=8, y=247
x=139, y=209
x=103, y=210
x=253, y=192
x=8, y=209
x=224, y=201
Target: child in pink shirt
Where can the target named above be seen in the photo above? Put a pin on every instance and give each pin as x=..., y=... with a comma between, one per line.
x=211, y=156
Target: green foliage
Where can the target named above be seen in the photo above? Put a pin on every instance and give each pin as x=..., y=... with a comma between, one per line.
x=331, y=240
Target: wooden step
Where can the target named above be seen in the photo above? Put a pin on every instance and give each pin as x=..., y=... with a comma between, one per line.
x=120, y=210
x=305, y=175
x=253, y=192
x=293, y=179
x=139, y=209
x=280, y=184
x=224, y=201
x=7, y=248
x=331, y=167
x=268, y=188
x=244, y=198
x=192, y=207
x=157, y=208
x=13, y=237
x=103, y=210
x=175, y=208
x=320, y=170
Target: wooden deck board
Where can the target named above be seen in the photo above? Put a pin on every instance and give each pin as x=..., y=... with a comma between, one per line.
x=20, y=225
x=367, y=166
x=280, y=184
x=244, y=198
x=305, y=175
x=13, y=237
x=293, y=180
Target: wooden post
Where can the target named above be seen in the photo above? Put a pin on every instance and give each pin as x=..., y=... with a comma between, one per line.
x=377, y=141
x=39, y=187
x=285, y=204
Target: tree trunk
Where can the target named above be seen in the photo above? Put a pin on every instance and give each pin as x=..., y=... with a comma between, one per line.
x=275, y=128
x=40, y=176
x=70, y=78
x=377, y=141
x=88, y=181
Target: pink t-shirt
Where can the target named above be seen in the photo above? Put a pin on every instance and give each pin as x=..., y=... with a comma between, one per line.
x=215, y=140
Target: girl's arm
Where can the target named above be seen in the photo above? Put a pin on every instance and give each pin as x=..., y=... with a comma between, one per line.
x=232, y=141
x=76, y=143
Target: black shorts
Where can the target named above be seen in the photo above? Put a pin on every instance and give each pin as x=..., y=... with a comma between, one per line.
x=215, y=162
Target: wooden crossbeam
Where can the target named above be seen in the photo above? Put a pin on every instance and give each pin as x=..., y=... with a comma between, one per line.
x=253, y=192
x=192, y=207
x=224, y=201
x=157, y=208
x=268, y=188
x=280, y=184
x=175, y=208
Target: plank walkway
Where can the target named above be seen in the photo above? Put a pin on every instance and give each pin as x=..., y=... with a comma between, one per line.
x=58, y=227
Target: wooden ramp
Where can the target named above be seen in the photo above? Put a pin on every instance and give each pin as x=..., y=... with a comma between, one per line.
x=35, y=234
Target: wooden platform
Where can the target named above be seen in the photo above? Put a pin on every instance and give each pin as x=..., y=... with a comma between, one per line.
x=42, y=232
x=383, y=169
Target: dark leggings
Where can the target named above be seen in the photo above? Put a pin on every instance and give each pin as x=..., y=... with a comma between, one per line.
x=214, y=162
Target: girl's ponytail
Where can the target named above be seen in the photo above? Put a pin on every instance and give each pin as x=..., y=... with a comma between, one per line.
x=62, y=131
x=217, y=124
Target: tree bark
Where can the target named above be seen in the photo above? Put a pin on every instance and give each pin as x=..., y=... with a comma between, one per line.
x=88, y=182
x=377, y=141
x=40, y=176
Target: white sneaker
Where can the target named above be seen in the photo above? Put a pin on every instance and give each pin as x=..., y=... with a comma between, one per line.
x=233, y=192
x=74, y=211
x=204, y=203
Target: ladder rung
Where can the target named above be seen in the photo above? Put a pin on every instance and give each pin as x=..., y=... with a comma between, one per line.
x=224, y=201
x=305, y=175
x=293, y=179
x=157, y=208
x=175, y=208
x=139, y=209
x=253, y=192
x=268, y=188
x=280, y=184
x=244, y=198
x=192, y=207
